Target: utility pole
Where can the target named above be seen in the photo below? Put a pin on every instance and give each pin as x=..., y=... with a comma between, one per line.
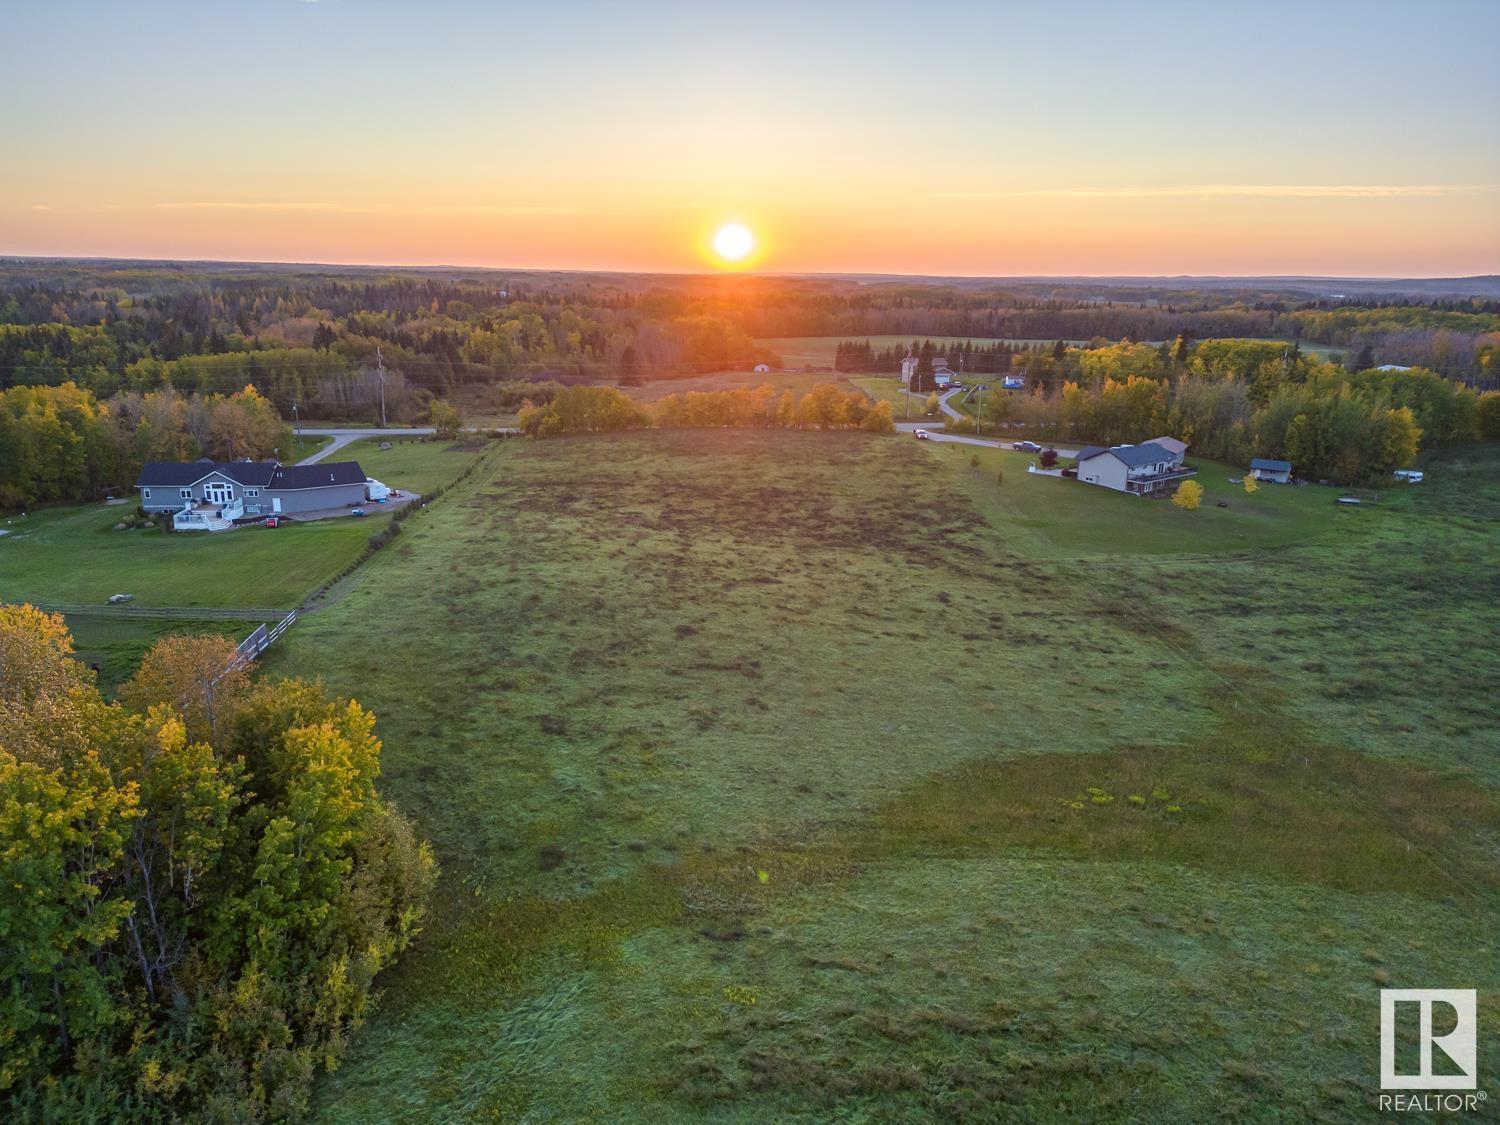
x=294, y=419
x=910, y=375
x=979, y=409
x=380, y=370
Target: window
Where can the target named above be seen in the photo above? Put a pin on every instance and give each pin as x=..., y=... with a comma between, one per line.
x=186, y=493
x=145, y=494
x=252, y=492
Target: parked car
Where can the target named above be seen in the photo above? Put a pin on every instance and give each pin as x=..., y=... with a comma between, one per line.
x=358, y=512
x=273, y=521
x=118, y=599
x=920, y=435
x=1026, y=447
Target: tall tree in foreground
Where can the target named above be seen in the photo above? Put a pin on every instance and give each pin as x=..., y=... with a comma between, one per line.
x=192, y=910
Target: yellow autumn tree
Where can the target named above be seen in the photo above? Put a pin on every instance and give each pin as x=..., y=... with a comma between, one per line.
x=1252, y=485
x=1189, y=495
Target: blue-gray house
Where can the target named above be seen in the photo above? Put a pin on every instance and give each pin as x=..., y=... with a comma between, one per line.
x=210, y=495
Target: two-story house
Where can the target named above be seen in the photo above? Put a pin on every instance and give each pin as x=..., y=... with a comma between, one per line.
x=1149, y=469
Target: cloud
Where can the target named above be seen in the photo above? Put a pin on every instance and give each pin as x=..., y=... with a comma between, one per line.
x=1212, y=191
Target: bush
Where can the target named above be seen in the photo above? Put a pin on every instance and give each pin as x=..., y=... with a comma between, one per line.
x=1188, y=496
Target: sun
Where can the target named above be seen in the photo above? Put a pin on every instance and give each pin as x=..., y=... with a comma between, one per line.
x=733, y=241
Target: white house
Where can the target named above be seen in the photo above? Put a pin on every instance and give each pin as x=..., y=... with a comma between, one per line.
x=1148, y=469
x=1276, y=472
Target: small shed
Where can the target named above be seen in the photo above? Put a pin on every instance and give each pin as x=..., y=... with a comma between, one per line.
x=762, y=368
x=1274, y=472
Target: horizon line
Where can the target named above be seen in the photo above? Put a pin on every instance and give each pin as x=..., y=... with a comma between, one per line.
x=6, y=257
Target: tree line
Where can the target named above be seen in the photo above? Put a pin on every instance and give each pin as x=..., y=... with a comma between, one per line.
x=61, y=444
x=825, y=406
x=199, y=883
x=1330, y=423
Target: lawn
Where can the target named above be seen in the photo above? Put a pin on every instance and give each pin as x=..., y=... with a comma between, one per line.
x=303, y=445
x=413, y=464
x=1047, y=516
x=74, y=555
x=795, y=774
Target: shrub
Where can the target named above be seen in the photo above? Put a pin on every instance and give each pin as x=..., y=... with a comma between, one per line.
x=1188, y=496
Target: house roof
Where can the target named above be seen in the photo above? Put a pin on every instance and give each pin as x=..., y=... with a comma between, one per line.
x=321, y=475
x=1274, y=466
x=255, y=474
x=1131, y=456
x=1172, y=445
x=178, y=473
x=1143, y=454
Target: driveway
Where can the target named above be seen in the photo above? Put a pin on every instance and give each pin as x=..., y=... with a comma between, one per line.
x=342, y=437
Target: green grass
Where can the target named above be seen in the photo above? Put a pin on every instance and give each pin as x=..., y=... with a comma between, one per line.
x=117, y=644
x=75, y=555
x=1047, y=516
x=887, y=388
x=798, y=383
x=411, y=464
x=782, y=775
x=303, y=445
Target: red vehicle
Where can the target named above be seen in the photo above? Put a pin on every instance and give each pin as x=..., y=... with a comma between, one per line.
x=272, y=521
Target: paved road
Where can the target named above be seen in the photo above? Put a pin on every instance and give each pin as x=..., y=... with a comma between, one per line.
x=936, y=433
x=342, y=437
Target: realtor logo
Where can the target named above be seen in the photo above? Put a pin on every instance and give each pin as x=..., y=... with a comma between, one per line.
x=1460, y=1045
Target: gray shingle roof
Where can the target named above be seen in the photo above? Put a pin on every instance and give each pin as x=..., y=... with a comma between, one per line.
x=178, y=473
x=256, y=474
x=322, y=475
x=1272, y=466
x=1091, y=451
x=1144, y=454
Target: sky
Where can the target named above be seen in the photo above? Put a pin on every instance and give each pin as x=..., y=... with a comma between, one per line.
x=937, y=138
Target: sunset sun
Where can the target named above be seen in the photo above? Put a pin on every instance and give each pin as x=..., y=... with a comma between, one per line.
x=733, y=241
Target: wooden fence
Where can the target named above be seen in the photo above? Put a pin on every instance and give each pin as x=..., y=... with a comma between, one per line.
x=260, y=639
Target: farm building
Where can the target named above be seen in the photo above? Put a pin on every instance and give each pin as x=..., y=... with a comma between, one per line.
x=1148, y=469
x=210, y=495
x=1275, y=472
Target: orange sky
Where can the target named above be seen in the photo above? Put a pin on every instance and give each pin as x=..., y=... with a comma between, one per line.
x=1062, y=139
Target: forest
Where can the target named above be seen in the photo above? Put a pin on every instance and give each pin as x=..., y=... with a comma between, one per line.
x=104, y=366
x=310, y=337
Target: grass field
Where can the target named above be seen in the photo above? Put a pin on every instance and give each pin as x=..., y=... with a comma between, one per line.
x=797, y=382
x=303, y=445
x=411, y=464
x=787, y=776
x=74, y=555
